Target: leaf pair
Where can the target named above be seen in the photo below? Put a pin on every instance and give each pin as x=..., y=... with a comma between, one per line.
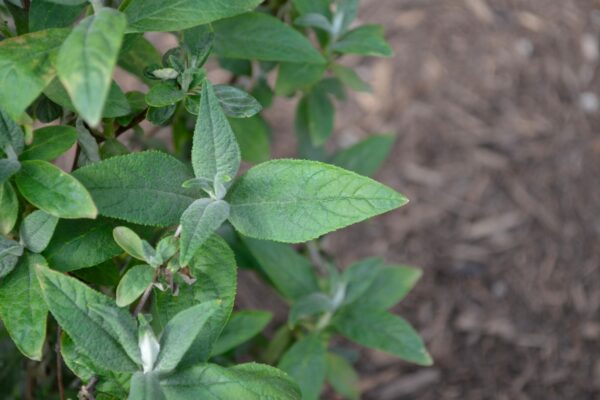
x=107, y=334
x=357, y=311
x=106, y=338
x=283, y=200
x=371, y=289
x=215, y=158
x=214, y=270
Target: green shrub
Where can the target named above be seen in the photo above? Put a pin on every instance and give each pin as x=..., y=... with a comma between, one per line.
x=135, y=254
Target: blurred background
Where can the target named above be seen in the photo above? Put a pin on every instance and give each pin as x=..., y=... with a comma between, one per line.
x=496, y=110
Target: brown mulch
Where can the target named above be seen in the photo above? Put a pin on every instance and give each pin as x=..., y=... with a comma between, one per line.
x=494, y=105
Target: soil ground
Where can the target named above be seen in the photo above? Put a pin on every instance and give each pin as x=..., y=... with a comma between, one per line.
x=495, y=110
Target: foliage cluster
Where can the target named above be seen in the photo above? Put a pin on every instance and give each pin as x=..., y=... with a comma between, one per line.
x=134, y=254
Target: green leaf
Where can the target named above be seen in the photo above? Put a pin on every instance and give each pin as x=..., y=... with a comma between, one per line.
x=37, y=230
x=111, y=148
x=391, y=284
x=291, y=274
x=314, y=20
x=199, y=41
x=262, y=92
x=305, y=362
x=215, y=150
x=312, y=6
x=103, y=274
x=278, y=344
x=258, y=36
x=235, y=102
x=116, y=104
x=306, y=148
x=295, y=200
x=9, y=208
x=89, y=151
x=242, y=326
x=54, y=191
x=214, y=269
x=167, y=247
x=359, y=277
x=69, y=2
x=367, y=156
x=78, y=310
x=86, y=61
x=22, y=308
x=161, y=115
x=348, y=10
x=366, y=40
x=44, y=14
x=148, y=343
x=129, y=241
x=119, y=325
x=245, y=381
x=384, y=331
x=46, y=110
x=76, y=361
x=145, y=386
x=181, y=332
x=143, y=188
x=136, y=54
x=157, y=15
x=78, y=244
x=342, y=377
x=10, y=251
x=164, y=94
x=11, y=134
x=349, y=77
x=198, y=222
x=334, y=87
x=8, y=168
x=133, y=284
x=308, y=306
x=321, y=116
x=50, y=142
x=236, y=66
x=252, y=135
x=296, y=76
x=26, y=68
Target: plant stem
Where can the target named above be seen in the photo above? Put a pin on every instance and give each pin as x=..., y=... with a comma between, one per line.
x=315, y=256
x=139, y=118
x=77, y=154
x=59, y=374
x=97, y=5
x=146, y=295
x=86, y=392
x=28, y=395
x=144, y=300
x=324, y=321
